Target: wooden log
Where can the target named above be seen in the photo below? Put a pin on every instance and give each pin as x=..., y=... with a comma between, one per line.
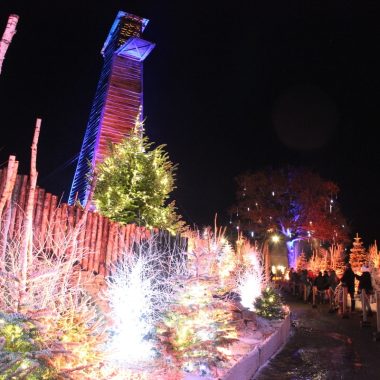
x=72, y=248
x=14, y=205
x=98, y=245
x=80, y=240
x=87, y=242
x=121, y=242
x=103, y=249
x=57, y=231
x=38, y=215
x=51, y=222
x=25, y=253
x=109, y=247
x=45, y=217
x=20, y=212
x=8, y=186
x=7, y=37
x=92, y=266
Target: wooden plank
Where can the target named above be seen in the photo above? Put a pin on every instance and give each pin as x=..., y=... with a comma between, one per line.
x=98, y=246
x=45, y=217
x=103, y=249
x=87, y=242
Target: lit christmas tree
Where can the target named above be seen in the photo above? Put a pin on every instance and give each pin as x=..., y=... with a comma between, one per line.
x=338, y=258
x=134, y=184
x=358, y=254
x=197, y=328
x=269, y=305
x=301, y=261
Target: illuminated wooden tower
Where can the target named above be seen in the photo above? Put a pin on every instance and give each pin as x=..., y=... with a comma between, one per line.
x=118, y=98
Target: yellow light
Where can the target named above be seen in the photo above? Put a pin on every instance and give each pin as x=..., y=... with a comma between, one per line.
x=275, y=238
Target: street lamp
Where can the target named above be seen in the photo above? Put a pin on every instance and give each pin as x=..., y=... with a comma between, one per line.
x=275, y=239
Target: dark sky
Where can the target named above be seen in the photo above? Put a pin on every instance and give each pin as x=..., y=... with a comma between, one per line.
x=231, y=86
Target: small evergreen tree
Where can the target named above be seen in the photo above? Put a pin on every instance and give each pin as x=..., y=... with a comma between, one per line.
x=134, y=183
x=301, y=261
x=358, y=254
x=269, y=305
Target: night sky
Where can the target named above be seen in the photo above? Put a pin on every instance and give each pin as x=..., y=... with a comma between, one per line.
x=229, y=88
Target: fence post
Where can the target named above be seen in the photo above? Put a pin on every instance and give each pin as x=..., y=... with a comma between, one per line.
x=376, y=334
x=314, y=296
x=344, y=309
x=364, y=322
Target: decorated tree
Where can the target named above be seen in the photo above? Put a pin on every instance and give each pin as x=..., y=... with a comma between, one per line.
x=197, y=328
x=134, y=183
x=374, y=256
x=270, y=305
x=301, y=261
x=338, y=258
x=293, y=201
x=358, y=254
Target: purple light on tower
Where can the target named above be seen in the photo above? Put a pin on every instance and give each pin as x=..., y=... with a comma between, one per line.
x=118, y=99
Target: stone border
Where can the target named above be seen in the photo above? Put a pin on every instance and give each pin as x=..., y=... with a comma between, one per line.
x=247, y=367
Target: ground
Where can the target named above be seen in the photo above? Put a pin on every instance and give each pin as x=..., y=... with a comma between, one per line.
x=323, y=346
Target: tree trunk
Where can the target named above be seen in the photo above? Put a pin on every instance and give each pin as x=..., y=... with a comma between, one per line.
x=28, y=221
x=6, y=40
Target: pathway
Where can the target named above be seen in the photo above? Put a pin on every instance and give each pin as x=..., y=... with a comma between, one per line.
x=324, y=346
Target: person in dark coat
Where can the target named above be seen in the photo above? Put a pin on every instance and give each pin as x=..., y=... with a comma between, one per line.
x=348, y=281
x=365, y=283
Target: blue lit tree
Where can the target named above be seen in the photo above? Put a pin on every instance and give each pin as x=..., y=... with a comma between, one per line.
x=295, y=202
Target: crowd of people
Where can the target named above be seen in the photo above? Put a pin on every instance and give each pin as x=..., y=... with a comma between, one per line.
x=326, y=286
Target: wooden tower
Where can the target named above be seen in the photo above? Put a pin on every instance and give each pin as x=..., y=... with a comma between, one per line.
x=118, y=99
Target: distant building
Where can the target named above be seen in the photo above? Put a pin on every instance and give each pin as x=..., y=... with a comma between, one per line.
x=118, y=98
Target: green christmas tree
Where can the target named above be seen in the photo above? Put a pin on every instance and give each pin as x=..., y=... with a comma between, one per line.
x=134, y=183
x=196, y=329
x=22, y=355
x=269, y=305
x=358, y=254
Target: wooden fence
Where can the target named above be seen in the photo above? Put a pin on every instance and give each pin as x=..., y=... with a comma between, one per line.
x=101, y=240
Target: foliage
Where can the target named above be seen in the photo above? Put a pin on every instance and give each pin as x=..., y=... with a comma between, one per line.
x=144, y=279
x=301, y=262
x=196, y=328
x=251, y=280
x=134, y=183
x=270, y=304
x=69, y=326
x=294, y=201
x=22, y=353
x=358, y=254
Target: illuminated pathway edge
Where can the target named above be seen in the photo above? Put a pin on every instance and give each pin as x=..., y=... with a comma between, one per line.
x=259, y=356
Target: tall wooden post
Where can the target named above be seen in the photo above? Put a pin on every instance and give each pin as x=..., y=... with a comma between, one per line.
x=28, y=220
x=376, y=334
x=6, y=40
x=344, y=308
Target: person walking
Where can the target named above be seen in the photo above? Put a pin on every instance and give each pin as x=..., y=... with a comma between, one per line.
x=348, y=281
x=365, y=289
